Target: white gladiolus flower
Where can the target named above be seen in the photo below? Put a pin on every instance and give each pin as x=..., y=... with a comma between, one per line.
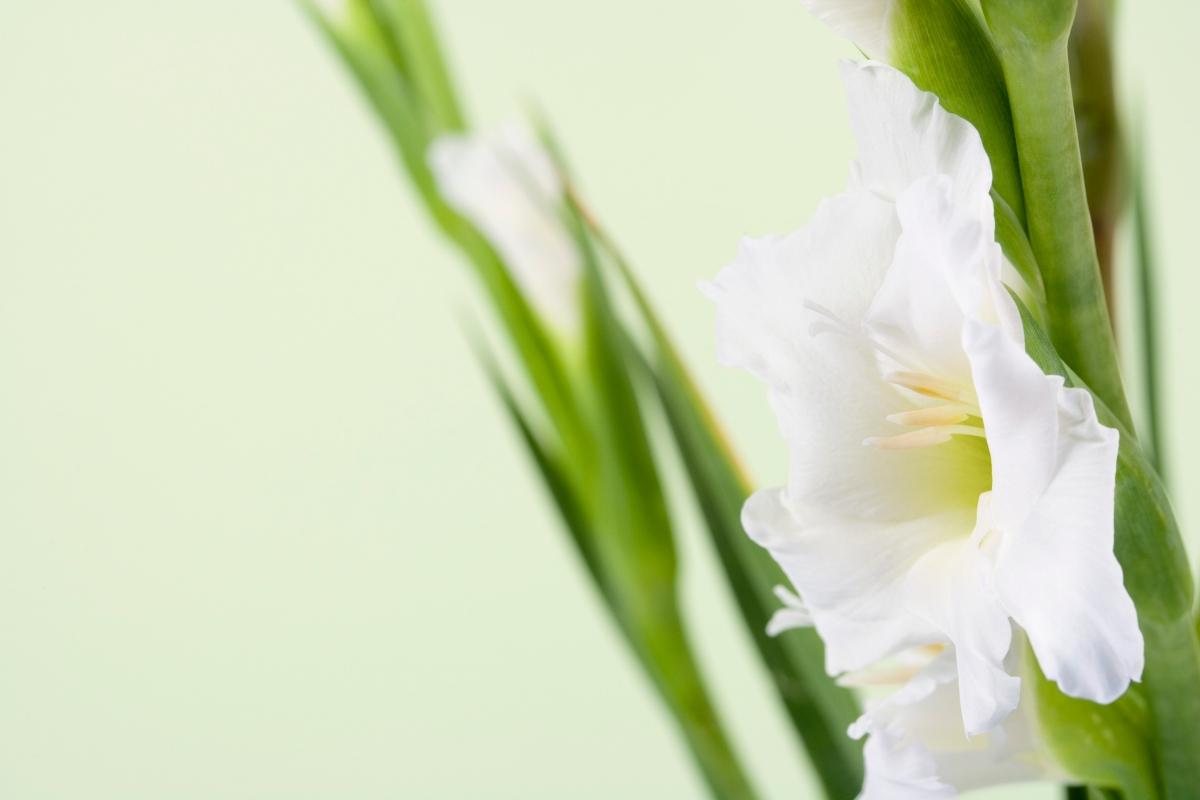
x=507, y=185
x=917, y=748
x=941, y=487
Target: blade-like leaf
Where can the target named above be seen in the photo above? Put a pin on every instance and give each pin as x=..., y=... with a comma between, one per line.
x=411, y=29
x=818, y=708
x=636, y=537
x=1148, y=313
x=550, y=468
x=400, y=109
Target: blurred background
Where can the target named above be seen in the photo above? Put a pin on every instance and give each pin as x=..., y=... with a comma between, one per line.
x=264, y=532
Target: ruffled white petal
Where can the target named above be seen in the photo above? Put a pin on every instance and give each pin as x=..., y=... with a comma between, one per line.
x=917, y=316
x=1052, y=506
x=507, y=185
x=864, y=22
x=1057, y=574
x=950, y=587
x=851, y=575
x=780, y=292
x=904, y=135
x=917, y=748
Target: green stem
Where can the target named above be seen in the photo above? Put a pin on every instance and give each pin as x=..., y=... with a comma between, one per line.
x=1032, y=40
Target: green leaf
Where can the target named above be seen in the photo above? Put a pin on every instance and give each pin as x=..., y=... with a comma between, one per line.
x=383, y=65
x=818, y=708
x=598, y=467
x=635, y=537
x=414, y=37
x=1015, y=244
x=651, y=626
x=552, y=470
x=1145, y=268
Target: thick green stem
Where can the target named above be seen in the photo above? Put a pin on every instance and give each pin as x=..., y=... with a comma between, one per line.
x=1032, y=41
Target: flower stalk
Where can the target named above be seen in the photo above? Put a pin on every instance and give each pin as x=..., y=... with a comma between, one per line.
x=1032, y=37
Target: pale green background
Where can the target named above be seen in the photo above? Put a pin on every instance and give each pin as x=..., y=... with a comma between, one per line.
x=264, y=531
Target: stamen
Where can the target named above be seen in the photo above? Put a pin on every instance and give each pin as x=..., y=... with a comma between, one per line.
x=927, y=385
x=893, y=671
x=951, y=414
x=925, y=437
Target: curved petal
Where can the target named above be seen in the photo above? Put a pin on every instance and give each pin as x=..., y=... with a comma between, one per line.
x=1057, y=574
x=850, y=575
x=507, y=186
x=904, y=134
x=918, y=314
x=917, y=747
x=1053, y=477
x=781, y=292
x=1019, y=406
x=950, y=587
x=864, y=22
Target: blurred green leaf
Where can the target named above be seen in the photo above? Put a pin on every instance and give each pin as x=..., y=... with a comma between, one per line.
x=381, y=63
x=1145, y=269
x=554, y=473
x=818, y=708
x=415, y=41
x=635, y=529
x=598, y=465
